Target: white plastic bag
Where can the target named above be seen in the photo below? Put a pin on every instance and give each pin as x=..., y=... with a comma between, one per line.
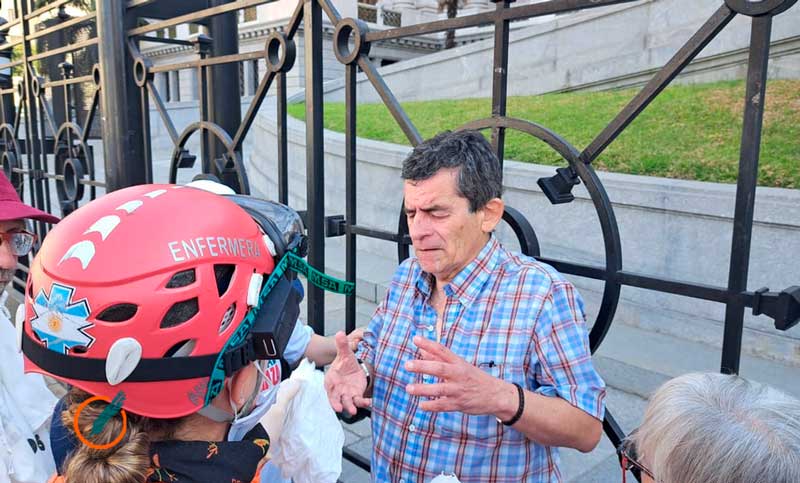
x=443, y=478
x=309, y=449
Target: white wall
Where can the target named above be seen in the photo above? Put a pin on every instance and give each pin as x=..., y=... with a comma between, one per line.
x=600, y=48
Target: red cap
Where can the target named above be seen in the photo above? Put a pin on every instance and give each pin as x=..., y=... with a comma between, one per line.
x=11, y=208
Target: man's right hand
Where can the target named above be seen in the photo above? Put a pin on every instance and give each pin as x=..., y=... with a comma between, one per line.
x=345, y=381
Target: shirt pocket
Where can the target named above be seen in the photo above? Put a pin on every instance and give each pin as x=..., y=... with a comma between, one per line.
x=483, y=429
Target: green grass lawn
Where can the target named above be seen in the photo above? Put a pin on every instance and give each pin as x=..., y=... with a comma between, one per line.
x=688, y=132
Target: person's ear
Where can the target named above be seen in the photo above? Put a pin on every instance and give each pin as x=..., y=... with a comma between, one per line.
x=492, y=214
x=243, y=384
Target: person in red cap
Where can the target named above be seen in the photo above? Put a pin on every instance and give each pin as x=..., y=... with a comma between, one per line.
x=25, y=401
x=16, y=241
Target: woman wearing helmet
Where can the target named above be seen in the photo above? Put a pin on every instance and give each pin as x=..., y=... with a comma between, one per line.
x=142, y=299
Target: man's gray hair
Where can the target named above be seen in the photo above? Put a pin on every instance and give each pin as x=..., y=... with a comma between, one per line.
x=716, y=428
x=479, y=176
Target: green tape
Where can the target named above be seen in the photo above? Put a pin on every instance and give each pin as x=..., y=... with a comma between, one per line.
x=317, y=278
x=289, y=261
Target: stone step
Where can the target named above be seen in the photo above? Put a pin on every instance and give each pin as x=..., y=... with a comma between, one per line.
x=638, y=361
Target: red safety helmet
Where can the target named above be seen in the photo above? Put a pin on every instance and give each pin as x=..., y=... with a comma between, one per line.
x=140, y=292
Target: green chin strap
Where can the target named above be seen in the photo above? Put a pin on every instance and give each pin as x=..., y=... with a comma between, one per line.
x=290, y=261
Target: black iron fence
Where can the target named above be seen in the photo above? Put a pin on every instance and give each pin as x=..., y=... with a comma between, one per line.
x=99, y=81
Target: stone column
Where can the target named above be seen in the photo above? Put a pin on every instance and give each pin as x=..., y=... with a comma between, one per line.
x=427, y=11
x=174, y=86
x=473, y=6
x=161, y=85
x=249, y=88
x=408, y=11
x=188, y=84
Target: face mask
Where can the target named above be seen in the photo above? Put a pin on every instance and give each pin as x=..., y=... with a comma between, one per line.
x=258, y=406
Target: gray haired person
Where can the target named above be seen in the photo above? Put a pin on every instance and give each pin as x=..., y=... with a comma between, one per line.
x=717, y=428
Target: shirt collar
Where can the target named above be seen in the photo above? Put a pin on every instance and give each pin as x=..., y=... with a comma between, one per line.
x=469, y=282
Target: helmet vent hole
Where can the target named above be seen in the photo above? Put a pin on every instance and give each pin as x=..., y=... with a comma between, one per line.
x=223, y=274
x=179, y=313
x=81, y=349
x=227, y=318
x=182, y=349
x=118, y=313
x=182, y=279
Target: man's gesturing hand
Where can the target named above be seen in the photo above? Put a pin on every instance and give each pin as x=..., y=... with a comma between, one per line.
x=461, y=387
x=345, y=381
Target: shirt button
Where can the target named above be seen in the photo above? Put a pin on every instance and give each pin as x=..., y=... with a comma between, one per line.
x=412, y=428
x=429, y=328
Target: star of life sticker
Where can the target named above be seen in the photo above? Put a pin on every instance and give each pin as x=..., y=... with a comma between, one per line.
x=61, y=322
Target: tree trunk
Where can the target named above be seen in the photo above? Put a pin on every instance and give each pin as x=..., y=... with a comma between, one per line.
x=452, y=10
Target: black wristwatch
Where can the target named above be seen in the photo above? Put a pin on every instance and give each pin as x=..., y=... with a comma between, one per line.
x=520, y=408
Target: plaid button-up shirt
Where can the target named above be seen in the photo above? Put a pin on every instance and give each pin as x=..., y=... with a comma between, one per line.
x=515, y=318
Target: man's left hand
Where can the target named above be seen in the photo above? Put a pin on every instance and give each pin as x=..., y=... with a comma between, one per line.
x=461, y=387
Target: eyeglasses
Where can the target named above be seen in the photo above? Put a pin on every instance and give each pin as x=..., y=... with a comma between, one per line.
x=19, y=242
x=629, y=461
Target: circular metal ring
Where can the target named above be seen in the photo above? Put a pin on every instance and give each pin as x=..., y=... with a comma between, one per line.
x=403, y=250
x=97, y=76
x=72, y=156
x=280, y=52
x=605, y=213
x=36, y=85
x=10, y=163
x=10, y=157
x=73, y=171
x=528, y=242
x=756, y=8
x=141, y=71
x=341, y=40
x=232, y=162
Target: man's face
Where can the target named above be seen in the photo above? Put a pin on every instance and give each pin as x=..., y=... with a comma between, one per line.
x=8, y=261
x=445, y=235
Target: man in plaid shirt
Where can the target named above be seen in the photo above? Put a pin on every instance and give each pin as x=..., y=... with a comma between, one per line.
x=477, y=360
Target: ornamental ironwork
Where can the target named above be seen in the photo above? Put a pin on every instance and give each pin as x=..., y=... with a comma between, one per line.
x=46, y=132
